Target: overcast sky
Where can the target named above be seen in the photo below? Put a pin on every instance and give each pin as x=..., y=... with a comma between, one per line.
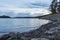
x=17, y=5
x=24, y=3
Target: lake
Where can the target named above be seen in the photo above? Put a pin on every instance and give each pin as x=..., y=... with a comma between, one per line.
x=20, y=25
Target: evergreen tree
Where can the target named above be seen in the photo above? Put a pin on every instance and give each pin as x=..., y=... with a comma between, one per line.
x=53, y=6
x=58, y=7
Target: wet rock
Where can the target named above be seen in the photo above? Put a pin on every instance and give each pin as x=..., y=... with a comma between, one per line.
x=25, y=38
x=5, y=37
x=39, y=39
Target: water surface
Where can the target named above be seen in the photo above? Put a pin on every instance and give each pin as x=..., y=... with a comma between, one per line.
x=20, y=25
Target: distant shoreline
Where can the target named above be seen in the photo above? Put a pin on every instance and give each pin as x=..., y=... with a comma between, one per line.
x=20, y=17
x=4, y=16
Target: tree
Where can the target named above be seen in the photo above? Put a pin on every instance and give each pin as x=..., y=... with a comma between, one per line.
x=53, y=6
x=58, y=7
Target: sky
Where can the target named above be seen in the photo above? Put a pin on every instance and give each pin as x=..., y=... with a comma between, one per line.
x=23, y=6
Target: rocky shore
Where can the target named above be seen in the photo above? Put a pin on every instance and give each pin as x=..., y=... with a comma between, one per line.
x=50, y=31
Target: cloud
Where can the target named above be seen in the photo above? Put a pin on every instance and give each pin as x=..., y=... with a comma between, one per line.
x=23, y=3
x=31, y=11
x=25, y=6
x=40, y=4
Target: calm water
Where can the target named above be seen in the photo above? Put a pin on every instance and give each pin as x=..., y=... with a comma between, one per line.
x=20, y=25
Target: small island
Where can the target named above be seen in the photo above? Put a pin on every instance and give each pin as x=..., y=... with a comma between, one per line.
x=4, y=16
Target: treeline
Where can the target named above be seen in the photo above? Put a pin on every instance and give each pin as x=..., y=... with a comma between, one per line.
x=4, y=16
x=55, y=6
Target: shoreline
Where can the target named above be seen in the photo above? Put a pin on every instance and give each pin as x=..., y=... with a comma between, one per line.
x=38, y=33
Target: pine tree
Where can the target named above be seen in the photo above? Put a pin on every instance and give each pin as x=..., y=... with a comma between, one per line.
x=58, y=7
x=53, y=6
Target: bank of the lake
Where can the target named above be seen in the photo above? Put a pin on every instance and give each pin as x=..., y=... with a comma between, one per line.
x=50, y=31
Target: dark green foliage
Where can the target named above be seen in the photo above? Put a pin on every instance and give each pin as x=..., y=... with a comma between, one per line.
x=53, y=6
x=58, y=8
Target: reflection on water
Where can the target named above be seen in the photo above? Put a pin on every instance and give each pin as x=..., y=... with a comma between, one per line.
x=20, y=25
